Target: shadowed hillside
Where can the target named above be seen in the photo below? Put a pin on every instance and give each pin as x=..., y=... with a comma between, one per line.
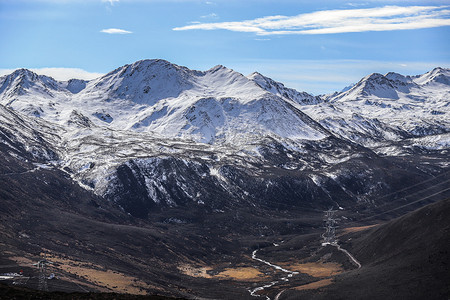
x=407, y=258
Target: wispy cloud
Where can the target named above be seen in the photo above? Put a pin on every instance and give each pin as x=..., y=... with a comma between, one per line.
x=111, y=1
x=357, y=4
x=339, y=21
x=115, y=31
x=60, y=73
x=210, y=16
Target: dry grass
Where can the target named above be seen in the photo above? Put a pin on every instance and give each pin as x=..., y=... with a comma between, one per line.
x=314, y=285
x=356, y=229
x=27, y=261
x=242, y=273
x=111, y=280
x=100, y=279
x=239, y=273
x=317, y=269
x=23, y=260
x=192, y=271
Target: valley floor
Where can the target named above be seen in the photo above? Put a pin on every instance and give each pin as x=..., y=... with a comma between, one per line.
x=283, y=266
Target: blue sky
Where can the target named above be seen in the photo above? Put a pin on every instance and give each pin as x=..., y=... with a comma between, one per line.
x=314, y=46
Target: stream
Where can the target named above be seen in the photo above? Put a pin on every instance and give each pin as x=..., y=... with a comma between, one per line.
x=254, y=291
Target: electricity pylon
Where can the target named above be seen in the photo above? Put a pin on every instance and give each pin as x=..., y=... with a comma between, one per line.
x=42, y=265
x=329, y=236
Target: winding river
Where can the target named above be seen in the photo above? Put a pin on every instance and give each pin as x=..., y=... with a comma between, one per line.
x=254, y=291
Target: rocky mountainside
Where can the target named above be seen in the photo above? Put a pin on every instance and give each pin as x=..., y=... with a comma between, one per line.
x=157, y=179
x=153, y=134
x=404, y=258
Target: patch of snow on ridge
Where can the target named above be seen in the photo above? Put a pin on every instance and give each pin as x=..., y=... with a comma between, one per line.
x=216, y=172
x=433, y=142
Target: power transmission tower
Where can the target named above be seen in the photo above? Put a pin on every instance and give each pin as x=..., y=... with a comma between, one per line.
x=42, y=266
x=329, y=236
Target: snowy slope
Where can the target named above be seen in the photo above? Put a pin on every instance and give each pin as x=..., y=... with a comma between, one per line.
x=217, y=105
x=388, y=108
x=221, y=106
x=153, y=133
x=144, y=115
x=20, y=136
x=277, y=88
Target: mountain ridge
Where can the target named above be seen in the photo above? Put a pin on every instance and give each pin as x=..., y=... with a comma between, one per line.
x=149, y=125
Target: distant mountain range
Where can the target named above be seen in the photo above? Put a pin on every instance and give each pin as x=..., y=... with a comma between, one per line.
x=153, y=134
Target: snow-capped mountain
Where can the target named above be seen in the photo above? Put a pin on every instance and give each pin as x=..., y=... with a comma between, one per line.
x=395, y=86
x=215, y=106
x=279, y=89
x=381, y=109
x=153, y=134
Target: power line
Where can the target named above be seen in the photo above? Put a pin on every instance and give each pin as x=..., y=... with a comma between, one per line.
x=329, y=236
x=265, y=202
x=419, y=183
x=42, y=265
x=79, y=286
x=415, y=193
x=394, y=209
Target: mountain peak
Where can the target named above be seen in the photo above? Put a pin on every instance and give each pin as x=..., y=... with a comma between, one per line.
x=373, y=76
x=279, y=89
x=218, y=68
x=256, y=74
x=24, y=73
x=24, y=77
x=264, y=81
x=399, y=80
x=437, y=75
x=21, y=81
x=389, y=85
x=146, y=67
x=440, y=71
x=395, y=76
x=153, y=62
x=374, y=84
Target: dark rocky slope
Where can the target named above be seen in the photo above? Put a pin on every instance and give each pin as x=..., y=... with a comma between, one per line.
x=407, y=258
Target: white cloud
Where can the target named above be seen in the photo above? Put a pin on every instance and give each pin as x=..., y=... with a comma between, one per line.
x=111, y=1
x=60, y=73
x=6, y=71
x=115, y=31
x=339, y=21
x=357, y=4
x=210, y=16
